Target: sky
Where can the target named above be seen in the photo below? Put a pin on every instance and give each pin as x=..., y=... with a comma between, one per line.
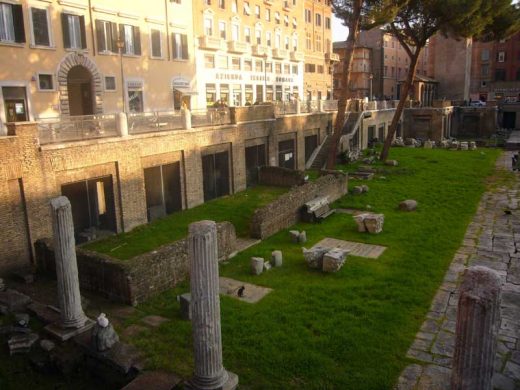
x=339, y=31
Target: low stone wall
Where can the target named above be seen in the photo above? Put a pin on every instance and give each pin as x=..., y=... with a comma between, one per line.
x=285, y=211
x=139, y=278
x=251, y=113
x=280, y=177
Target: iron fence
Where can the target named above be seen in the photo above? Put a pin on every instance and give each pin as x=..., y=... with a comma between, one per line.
x=210, y=117
x=148, y=122
x=76, y=128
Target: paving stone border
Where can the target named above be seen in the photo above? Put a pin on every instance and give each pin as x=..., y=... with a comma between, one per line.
x=493, y=240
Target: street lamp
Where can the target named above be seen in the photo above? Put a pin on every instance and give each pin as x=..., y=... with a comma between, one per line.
x=120, y=45
x=371, y=78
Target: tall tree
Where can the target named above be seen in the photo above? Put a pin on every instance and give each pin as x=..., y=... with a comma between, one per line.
x=419, y=20
x=356, y=15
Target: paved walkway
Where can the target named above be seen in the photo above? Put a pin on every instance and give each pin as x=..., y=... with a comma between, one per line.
x=492, y=240
x=513, y=142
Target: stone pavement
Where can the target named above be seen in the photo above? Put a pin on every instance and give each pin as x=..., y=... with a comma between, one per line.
x=355, y=248
x=492, y=240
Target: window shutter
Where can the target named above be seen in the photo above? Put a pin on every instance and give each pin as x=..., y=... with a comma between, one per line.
x=137, y=41
x=19, y=31
x=83, y=33
x=122, y=36
x=40, y=27
x=65, y=28
x=174, y=47
x=113, y=28
x=100, y=34
x=184, y=41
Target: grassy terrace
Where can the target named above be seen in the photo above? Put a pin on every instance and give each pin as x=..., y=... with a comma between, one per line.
x=237, y=209
x=348, y=330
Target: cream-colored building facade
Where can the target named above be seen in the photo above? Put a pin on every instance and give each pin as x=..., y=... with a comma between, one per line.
x=81, y=57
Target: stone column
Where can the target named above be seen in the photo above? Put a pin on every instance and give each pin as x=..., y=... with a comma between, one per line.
x=69, y=297
x=186, y=118
x=298, y=106
x=475, y=341
x=209, y=373
x=122, y=124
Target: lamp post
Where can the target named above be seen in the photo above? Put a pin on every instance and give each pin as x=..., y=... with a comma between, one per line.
x=371, y=78
x=120, y=45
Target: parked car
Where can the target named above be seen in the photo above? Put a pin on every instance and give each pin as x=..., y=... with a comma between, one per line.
x=477, y=103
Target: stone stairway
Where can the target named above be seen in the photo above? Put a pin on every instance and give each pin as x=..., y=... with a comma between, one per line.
x=321, y=158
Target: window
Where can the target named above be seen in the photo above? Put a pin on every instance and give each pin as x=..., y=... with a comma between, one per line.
x=295, y=69
x=308, y=16
x=259, y=66
x=74, y=36
x=257, y=11
x=385, y=71
x=209, y=61
x=155, y=37
x=318, y=20
x=295, y=43
x=269, y=67
x=308, y=41
x=234, y=6
x=518, y=74
x=484, y=70
x=211, y=95
x=500, y=75
x=135, y=96
x=176, y=1
x=320, y=68
x=248, y=65
x=222, y=4
x=45, y=82
x=222, y=30
x=277, y=67
x=501, y=56
x=258, y=34
x=106, y=33
x=235, y=63
x=277, y=17
x=11, y=23
x=110, y=83
x=235, y=32
x=247, y=10
x=268, y=14
x=318, y=42
x=180, y=46
x=268, y=38
x=208, y=26
x=294, y=23
x=131, y=38
x=327, y=22
x=278, y=40
x=247, y=34
x=222, y=62
x=40, y=27
x=286, y=43
x=286, y=69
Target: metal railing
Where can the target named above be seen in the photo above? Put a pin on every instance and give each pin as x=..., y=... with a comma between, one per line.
x=309, y=106
x=330, y=105
x=76, y=128
x=148, y=122
x=284, y=108
x=210, y=117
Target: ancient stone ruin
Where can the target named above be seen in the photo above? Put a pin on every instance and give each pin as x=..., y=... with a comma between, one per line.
x=371, y=223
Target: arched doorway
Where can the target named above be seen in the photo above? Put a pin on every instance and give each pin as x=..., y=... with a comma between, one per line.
x=79, y=86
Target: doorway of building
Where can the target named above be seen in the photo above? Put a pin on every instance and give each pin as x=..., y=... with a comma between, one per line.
x=215, y=175
x=286, y=154
x=15, y=103
x=509, y=120
x=311, y=143
x=80, y=89
x=163, y=190
x=255, y=158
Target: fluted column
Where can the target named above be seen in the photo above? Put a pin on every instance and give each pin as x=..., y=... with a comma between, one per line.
x=209, y=372
x=475, y=342
x=72, y=315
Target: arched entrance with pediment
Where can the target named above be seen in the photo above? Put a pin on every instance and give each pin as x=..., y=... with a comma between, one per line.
x=79, y=86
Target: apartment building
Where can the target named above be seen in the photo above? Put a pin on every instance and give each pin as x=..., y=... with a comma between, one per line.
x=390, y=62
x=79, y=57
x=248, y=51
x=361, y=76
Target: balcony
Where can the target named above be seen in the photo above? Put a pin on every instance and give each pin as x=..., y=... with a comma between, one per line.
x=297, y=56
x=210, y=43
x=260, y=51
x=280, y=53
x=332, y=57
x=237, y=47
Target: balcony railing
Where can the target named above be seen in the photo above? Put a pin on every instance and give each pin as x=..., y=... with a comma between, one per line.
x=259, y=50
x=330, y=105
x=297, y=56
x=210, y=43
x=280, y=53
x=309, y=106
x=285, y=108
x=332, y=57
x=237, y=47
x=210, y=117
x=149, y=122
x=76, y=128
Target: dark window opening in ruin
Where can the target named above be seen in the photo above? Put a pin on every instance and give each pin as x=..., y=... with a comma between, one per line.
x=371, y=134
x=93, y=210
x=215, y=175
x=509, y=120
x=255, y=158
x=470, y=126
x=286, y=154
x=163, y=190
x=15, y=104
x=381, y=133
x=311, y=143
x=422, y=127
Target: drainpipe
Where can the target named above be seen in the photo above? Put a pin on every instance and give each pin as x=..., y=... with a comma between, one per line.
x=92, y=28
x=167, y=29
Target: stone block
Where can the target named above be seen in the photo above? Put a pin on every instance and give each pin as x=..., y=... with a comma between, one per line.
x=334, y=259
x=302, y=237
x=374, y=223
x=295, y=235
x=408, y=205
x=360, y=221
x=185, y=302
x=21, y=343
x=267, y=266
x=276, y=258
x=472, y=145
x=314, y=256
x=428, y=144
x=464, y=145
x=257, y=265
x=392, y=163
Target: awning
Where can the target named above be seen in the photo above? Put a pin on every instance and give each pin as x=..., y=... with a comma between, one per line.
x=187, y=91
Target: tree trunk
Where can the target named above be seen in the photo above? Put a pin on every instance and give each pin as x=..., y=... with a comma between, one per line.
x=345, y=79
x=400, y=107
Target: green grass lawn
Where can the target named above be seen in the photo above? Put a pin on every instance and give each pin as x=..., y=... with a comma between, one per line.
x=348, y=330
x=237, y=209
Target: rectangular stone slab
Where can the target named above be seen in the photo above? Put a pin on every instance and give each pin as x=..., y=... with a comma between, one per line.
x=252, y=293
x=356, y=248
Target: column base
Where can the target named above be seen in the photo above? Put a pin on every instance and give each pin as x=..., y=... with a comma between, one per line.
x=64, y=334
x=231, y=384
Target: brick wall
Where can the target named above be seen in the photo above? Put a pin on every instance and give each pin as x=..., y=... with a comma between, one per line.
x=280, y=177
x=285, y=211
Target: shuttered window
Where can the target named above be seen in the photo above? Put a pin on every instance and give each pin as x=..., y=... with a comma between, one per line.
x=156, y=43
x=131, y=37
x=40, y=26
x=11, y=23
x=106, y=33
x=73, y=27
x=180, y=46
